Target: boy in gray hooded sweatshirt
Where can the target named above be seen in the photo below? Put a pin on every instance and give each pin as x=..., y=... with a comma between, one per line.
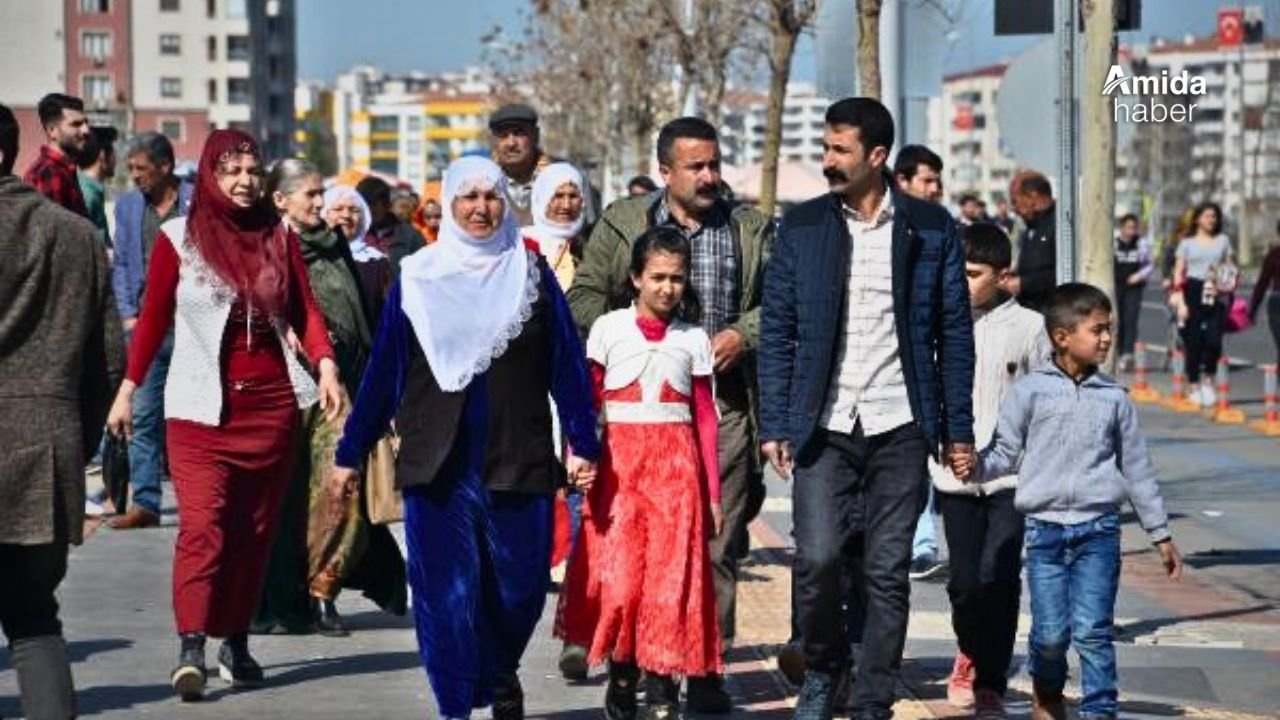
x=1071, y=434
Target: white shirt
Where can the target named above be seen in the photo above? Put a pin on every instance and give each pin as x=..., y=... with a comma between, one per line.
x=867, y=383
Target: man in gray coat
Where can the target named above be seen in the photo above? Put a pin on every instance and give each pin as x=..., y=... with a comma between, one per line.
x=61, y=357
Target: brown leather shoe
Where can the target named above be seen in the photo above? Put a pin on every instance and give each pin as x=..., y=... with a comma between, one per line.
x=1047, y=705
x=137, y=517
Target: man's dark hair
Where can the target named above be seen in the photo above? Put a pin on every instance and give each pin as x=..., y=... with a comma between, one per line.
x=101, y=140
x=1201, y=209
x=52, y=106
x=1127, y=217
x=1070, y=303
x=1035, y=184
x=374, y=190
x=690, y=128
x=986, y=244
x=643, y=181
x=155, y=146
x=874, y=123
x=664, y=238
x=911, y=157
x=9, y=132
x=967, y=198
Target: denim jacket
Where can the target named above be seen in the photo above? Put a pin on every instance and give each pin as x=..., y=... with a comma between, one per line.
x=1077, y=450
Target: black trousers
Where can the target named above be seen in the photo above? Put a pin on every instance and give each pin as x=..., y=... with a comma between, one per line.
x=1129, y=305
x=28, y=607
x=1202, y=333
x=886, y=474
x=985, y=538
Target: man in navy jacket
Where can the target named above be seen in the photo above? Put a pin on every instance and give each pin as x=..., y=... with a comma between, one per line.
x=866, y=368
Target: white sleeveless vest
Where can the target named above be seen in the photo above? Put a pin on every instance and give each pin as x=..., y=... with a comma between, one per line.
x=193, y=390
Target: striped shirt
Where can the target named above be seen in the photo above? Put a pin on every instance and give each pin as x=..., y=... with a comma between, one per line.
x=714, y=275
x=868, y=383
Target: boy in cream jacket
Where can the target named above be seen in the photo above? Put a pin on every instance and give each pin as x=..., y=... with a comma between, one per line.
x=984, y=530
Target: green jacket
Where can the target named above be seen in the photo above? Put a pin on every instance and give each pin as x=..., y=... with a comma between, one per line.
x=602, y=281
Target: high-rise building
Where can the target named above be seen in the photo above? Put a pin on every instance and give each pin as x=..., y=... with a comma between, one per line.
x=180, y=67
x=743, y=126
x=964, y=131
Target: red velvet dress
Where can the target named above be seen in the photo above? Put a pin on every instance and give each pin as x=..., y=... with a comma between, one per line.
x=229, y=479
x=638, y=587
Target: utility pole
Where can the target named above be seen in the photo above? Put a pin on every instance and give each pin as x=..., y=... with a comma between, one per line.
x=1098, y=152
x=1064, y=17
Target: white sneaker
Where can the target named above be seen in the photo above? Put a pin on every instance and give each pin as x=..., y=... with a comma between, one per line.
x=1208, y=398
x=93, y=509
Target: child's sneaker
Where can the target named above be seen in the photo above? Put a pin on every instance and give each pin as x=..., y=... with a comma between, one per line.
x=1208, y=398
x=960, y=684
x=988, y=705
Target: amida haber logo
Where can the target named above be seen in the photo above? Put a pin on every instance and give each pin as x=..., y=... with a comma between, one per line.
x=1153, y=98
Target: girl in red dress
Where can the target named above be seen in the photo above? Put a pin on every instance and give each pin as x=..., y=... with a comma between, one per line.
x=230, y=279
x=638, y=591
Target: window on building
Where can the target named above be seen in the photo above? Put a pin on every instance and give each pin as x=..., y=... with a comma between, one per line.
x=385, y=146
x=170, y=5
x=95, y=6
x=213, y=90
x=171, y=128
x=170, y=44
x=236, y=8
x=171, y=87
x=211, y=9
x=414, y=124
x=239, y=91
x=390, y=166
x=273, y=104
x=96, y=88
x=212, y=45
x=95, y=45
x=273, y=67
x=414, y=147
x=238, y=47
x=384, y=124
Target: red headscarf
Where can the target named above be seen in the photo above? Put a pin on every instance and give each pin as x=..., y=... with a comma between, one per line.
x=245, y=247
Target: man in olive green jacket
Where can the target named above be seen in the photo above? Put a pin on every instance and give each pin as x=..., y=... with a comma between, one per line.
x=730, y=247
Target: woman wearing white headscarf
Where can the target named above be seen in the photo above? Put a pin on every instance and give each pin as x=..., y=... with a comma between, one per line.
x=473, y=337
x=346, y=211
x=557, y=204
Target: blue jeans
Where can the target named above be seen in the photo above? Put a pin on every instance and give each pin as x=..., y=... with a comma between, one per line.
x=1073, y=573
x=148, y=462
x=925, y=543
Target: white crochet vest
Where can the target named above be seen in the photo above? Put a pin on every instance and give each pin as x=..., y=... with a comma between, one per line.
x=194, y=390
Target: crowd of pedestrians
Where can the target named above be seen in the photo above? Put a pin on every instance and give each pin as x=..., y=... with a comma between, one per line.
x=631, y=369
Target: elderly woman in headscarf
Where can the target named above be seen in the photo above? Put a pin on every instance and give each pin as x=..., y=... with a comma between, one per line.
x=230, y=279
x=474, y=335
x=346, y=211
x=325, y=543
x=557, y=203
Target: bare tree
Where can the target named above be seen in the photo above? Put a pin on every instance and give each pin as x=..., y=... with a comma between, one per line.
x=705, y=46
x=869, y=47
x=782, y=22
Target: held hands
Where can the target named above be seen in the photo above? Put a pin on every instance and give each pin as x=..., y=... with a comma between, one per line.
x=582, y=472
x=963, y=459
x=1171, y=559
x=120, y=418
x=331, y=394
x=778, y=453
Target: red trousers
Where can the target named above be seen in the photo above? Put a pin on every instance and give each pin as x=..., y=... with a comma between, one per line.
x=230, y=481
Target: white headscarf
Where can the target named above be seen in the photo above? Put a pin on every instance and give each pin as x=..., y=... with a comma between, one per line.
x=466, y=298
x=360, y=251
x=552, y=236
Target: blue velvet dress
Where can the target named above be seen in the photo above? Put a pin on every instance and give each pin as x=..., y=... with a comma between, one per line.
x=478, y=559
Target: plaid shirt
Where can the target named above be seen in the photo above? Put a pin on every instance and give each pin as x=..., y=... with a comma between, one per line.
x=716, y=265
x=53, y=174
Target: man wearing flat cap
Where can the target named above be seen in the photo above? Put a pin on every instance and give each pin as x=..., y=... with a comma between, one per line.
x=517, y=151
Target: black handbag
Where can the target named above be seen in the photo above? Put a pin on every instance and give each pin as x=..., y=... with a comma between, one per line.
x=115, y=470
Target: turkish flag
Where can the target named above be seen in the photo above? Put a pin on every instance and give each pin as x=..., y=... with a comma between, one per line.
x=1230, y=26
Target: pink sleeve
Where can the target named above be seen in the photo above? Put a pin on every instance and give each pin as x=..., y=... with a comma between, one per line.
x=157, y=309
x=707, y=430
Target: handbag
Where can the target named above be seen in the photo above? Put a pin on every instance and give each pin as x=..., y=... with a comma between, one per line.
x=382, y=499
x=115, y=470
x=1238, y=316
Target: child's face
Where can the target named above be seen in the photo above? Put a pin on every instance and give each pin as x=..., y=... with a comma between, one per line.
x=984, y=283
x=1088, y=342
x=661, y=285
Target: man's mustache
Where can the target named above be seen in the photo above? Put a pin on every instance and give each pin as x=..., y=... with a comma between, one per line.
x=835, y=175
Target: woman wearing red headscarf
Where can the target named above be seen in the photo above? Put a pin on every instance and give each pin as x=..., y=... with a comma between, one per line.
x=231, y=281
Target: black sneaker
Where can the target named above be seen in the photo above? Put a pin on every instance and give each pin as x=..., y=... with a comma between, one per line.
x=661, y=698
x=235, y=665
x=926, y=567
x=816, y=697
x=189, y=678
x=706, y=695
x=620, y=697
x=573, y=662
x=508, y=698
x=327, y=621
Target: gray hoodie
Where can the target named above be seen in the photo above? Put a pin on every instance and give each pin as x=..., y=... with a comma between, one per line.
x=1077, y=450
